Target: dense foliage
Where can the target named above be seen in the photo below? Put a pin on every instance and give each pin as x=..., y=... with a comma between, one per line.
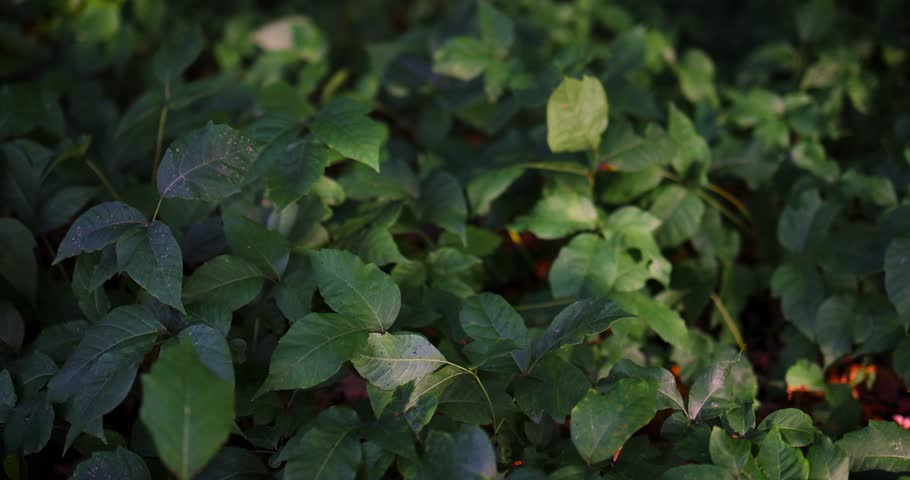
x=452, y=240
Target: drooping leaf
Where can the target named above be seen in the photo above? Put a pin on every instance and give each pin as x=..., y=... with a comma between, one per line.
x=344, y=126
x=152, y=258
x=187, y=409
x=584, y=317
x=464, y=454
x=209, y=164
x=129, y=331
x=226, y=280
x=267, y=249
x=314, y=349
x=99, y=227
x=391, y=360
x=576, y=115
x=602, y=423
x=356, y=290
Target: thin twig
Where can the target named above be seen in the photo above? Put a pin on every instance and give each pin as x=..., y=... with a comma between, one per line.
x=98, y=173
x=729, y=321
x=162, y=119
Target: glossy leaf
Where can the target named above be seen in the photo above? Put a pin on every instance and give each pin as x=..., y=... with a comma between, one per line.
x=576, y=115
x=584, y=317
x=390, y=360
x=99, y=227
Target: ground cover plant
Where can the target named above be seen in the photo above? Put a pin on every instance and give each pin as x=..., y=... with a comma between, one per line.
x=527, y=239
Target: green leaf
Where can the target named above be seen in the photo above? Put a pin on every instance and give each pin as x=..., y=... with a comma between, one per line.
x=576, y=115
x=625, y=151
x=795, y=426
x=267, y=249
x=680, y=212
x=880, y=446
x=833, y=322
x=296, y=170
x=554, y=387
x=119, y=463
x=828, y=461
x=495, y=327
x=99, y=227
x=601, y=424
x=356, y=290
x=12, y=328
x=233, y=463
x=805, y=376
x=17, y=264
x=897, y=275
x=697, y=472
x=780, y=461
x=209, y=164
x=227, y=280
x=29, y=425
x=711, y=394
x=663, y=320
x=668, y=395
x=442, y=202
x=314, y=349
x=733, y=453
x=558, y=214
x=7, y=395
x=463, y=57
x=391, y=360
x=344, y=126
x=691, y=147
x=804, y=221
x=810, y=156
x=582, y=318
x=187, y=409
x=152, y=258
x=128, y=331
x=495, y=27
x=101, y=388
x=801, y=290
x=329, y=450
x=465, y=454
x=587, y=265
x=211, y=348
x=177, y=53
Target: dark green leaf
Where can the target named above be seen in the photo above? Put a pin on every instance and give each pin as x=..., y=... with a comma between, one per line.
x=464, y=454
x=880, y=446
x=267, y=249
x=227, y=280
x=17, y=264
x=356, y=290
x=119, y=463
x=584, y=317
x=344, y=126
x=152, y=258
x=601, y=424
x=99, y=227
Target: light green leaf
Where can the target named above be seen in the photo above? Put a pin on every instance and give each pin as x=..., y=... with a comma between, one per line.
x=495, y=327
x=582, y=318
x=463, y=57
x=780, y=461
x=668, y=395
x=227, y=280
x=691, y=147
x=559, y=214
x=625, y=151
x=187, y=409
x=99, y=227
x=314, y=349
x=587, y=265
x=680, y=212
x=795, y=426
x=209, y=164
x=126, y=331
x=17, y=264
x=805, y=376
x=119, y=463
x=601, y=424
x=880, y=446
x=810, y=156
x=576, y=115
x=462, y=455
x=152, y=258
x=391, y=360
x=663, y=320
x=711, y=394
x=356, y=290
x=267, y=249
x=344, y=126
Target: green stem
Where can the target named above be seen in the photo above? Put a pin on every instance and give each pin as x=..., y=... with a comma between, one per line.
x=482, y=389
x=157, y=207
x=162, y=119
x=98, y=173
x=552, y=303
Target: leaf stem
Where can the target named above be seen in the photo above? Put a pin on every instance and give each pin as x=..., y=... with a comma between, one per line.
x=729, y=321
x=157, y=207
x=98, y=173
x=482, y=389
x=162, y=119
x=552, y=303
